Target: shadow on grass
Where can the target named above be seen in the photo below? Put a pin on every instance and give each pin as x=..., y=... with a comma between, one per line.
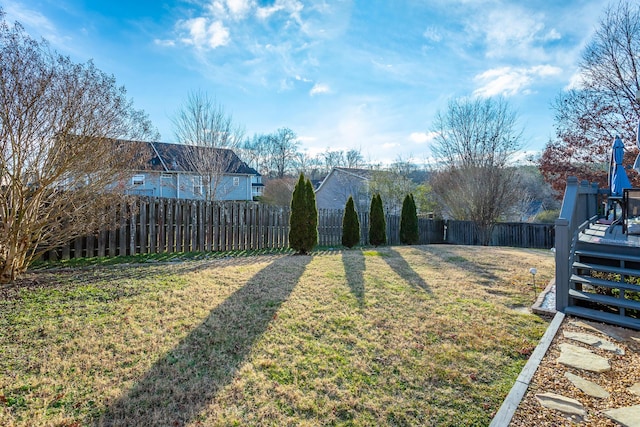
x=354, y=266
x=118, y=280
x=485, y=276
x=187, y=378
x=404, y=270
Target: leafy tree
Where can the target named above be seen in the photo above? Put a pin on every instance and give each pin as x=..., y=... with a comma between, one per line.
x=475, y=142
x=548, y=217
x=350, y=225
x=277, y=192
x=59, y=159
x=377, y=222
x=601, y=104
x=426, y=203
x=210, y=134
x=392, y=184
x=409, y=233
x=303, y=231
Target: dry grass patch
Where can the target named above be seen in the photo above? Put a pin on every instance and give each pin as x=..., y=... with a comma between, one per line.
x=420, y=335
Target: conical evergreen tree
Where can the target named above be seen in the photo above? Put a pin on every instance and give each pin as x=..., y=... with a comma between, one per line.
x=377, y=223
x=298, y=215
x=311, y=231
x=409, y=234
x=350, y=225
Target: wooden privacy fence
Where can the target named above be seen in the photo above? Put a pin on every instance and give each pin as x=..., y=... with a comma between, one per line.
x=155, y=225
x=516, y=234
x=330, y=228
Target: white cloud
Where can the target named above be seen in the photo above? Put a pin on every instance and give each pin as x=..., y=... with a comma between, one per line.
x=510, y=81
x=516, y=32
x=576, y=81
x=422, y=137
x=203, y=34
x=239, y=8
x=292, y=7
x=35, y=22
x=432, y=34
x=164, y=43
x=28, y=17
x=319, y=88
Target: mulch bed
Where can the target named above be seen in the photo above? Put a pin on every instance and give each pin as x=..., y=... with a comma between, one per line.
x=625, y=372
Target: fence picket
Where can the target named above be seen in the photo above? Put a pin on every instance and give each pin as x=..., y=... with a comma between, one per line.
x=167, y=225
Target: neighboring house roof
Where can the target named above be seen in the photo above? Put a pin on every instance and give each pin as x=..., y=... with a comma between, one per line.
x=173, y=158
x=356, y=174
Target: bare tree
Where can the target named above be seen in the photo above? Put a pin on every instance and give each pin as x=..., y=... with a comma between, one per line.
x=334, y=159
x=284, y=148
x=601, y=106
x=475, y=142
x=256, y=152
x=210, y=134
x=310, y=166
x=354, y=158
x=275, y=154
x=59, y=161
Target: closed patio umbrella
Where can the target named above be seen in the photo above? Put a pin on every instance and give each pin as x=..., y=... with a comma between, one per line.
x=636, y=165
x=618, y=179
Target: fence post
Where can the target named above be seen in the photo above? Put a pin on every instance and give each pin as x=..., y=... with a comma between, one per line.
x=563, y=246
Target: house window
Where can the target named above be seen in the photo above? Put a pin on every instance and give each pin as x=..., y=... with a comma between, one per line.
x=137, y=179
x=236, y=181
x=197, y=185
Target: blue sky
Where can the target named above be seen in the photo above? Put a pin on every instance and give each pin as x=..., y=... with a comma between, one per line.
x=342, y=74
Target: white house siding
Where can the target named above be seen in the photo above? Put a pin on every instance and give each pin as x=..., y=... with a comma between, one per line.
x=181, y=186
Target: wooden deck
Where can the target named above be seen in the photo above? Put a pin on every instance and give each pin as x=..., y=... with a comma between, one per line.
x=609, y=235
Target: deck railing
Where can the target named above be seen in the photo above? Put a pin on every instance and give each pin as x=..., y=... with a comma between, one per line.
x=580, y=205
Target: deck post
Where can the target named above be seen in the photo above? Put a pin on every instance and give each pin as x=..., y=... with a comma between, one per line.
x=563, y=245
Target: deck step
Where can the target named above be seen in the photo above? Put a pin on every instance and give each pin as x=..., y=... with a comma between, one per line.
x=607, y=255
x=604, y=299
x=602, y=316
x=606, y=269
x=575, y=278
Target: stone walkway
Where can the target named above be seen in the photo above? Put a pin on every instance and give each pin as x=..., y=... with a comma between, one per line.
x=587, y=376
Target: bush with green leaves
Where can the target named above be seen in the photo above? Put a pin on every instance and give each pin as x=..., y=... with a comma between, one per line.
x=350, y=225
x=303, y=223
x=409, y=234
x=377, y=223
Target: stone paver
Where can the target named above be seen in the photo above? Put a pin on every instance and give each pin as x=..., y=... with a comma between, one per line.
x=597, y=327
x=581, y=358
x=566, y=405
x=587, y=387
x=628, y=417
x=593, y=341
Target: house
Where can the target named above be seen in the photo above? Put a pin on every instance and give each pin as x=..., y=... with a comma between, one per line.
x=334, y=191
x=168, y=172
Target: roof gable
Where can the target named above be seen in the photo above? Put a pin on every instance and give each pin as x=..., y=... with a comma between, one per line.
x=173, y=158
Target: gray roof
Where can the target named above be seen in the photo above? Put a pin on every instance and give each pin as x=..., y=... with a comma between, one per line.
x=173, y=158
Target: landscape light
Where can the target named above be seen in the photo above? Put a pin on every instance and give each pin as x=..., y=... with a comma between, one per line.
x=533, y=272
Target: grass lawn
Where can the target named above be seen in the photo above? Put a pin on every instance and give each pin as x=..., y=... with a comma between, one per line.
x=411, y=335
